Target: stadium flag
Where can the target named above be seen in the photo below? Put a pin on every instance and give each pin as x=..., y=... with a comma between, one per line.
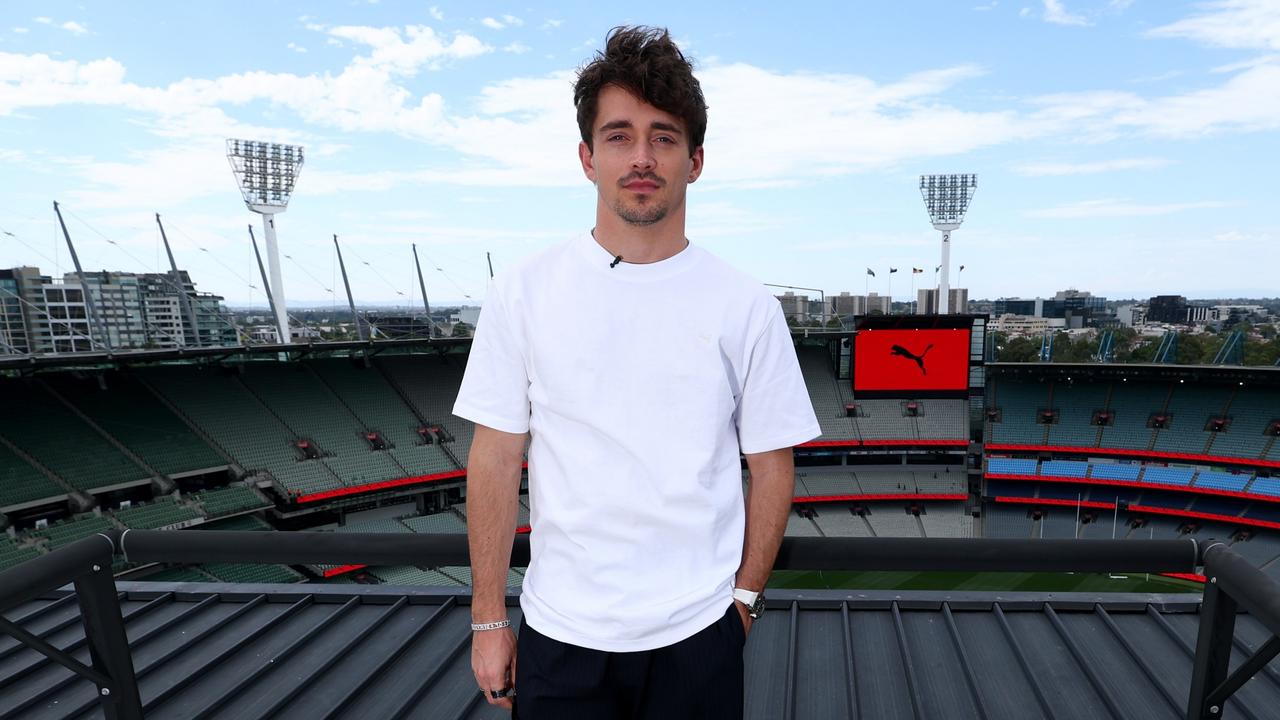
x=893, y=270
x=961, y=268
x=916, y=270
x=870, y=273
x=936, y=268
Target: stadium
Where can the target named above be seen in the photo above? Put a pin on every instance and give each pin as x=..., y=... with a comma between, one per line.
x=315, y=444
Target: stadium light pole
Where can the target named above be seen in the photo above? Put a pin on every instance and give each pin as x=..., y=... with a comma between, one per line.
x=946, y=197
x=266, y=173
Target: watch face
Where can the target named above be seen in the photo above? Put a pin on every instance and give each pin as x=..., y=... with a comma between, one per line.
x=757, y=607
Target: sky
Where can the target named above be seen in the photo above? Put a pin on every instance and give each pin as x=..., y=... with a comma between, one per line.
x=1124, y=147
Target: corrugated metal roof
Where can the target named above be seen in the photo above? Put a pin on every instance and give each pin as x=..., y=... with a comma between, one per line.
x=311, y=651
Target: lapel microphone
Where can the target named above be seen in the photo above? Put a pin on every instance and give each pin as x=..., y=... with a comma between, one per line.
x=615, y=262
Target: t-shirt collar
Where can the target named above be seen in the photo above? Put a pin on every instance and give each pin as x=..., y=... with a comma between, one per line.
x=597, y=256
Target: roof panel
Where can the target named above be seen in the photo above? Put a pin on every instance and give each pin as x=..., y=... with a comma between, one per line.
x=380, y=652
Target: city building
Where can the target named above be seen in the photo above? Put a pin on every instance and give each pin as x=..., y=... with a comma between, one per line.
x=957, y=301
x=1176, y=310
x=123, y=310
x=795, y=307
x=846, y=305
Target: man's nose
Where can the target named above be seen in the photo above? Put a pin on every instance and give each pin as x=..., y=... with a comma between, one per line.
x=642, y=159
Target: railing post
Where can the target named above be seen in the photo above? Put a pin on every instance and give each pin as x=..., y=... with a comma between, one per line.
x=1213, y=650
x=108, y=645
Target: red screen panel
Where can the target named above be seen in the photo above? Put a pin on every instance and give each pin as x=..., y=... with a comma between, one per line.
x=911, y=360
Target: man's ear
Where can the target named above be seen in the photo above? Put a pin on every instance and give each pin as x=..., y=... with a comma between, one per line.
x=695, y=164
x=588, y=162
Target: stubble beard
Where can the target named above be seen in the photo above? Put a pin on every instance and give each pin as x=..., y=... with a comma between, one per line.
x=642, y=215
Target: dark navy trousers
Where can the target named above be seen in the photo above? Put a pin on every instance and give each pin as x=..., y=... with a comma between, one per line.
x=698, y=677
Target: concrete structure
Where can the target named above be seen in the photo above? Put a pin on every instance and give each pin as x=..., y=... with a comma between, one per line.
x=795, y=307
x=927, y=301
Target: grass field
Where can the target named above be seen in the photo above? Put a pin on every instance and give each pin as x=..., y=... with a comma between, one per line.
x=987, y=581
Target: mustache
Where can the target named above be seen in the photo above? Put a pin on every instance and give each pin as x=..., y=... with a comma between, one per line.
x=651, y=177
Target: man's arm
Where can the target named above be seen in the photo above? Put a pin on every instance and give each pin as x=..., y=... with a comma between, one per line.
x=493, y=490
x=768, y=503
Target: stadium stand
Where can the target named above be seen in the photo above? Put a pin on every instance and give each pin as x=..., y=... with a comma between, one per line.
x=1018, y=402
x=825, y=394
x=410, y=575
x=1167, y=475
x=21, y=483
x=1115, y=471
x=839, y=521
x=1064, y=468
x=1235, y=482
x=232, y=572
x=892, y=520
x=135, y=418
x=443, y=522
x=1265, y=486
x=1005, y=522
x=214, y=399
x=1251, y=410
x=1076, y=404
x=1190, y=407
x=230, y=500
x=946, y=520
x=798, y=526
x=377, y=406
x=943, y=419
x=72, y=529
x=161, y=513
x=180, y=574
x=51, y=433
x=12, y=552
x=238, y=522
x=882, y=419
x=430, y=384
x=1133, y=405
x=1011, y=466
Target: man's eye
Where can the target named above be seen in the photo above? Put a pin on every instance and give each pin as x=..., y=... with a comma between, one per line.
x=614, y=138
x=665, y=139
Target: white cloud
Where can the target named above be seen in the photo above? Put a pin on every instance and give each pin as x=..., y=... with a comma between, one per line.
x=989, y=6
x=1246, y=64
x=1229, y=23
x=296, y=48
x=549, y=24
x=436, y=13
x=21, y=30
x=492, y=24
x=12, y=156
x=1055, y=12
x=404, y=53
x=517, y=48
x=1057, y=169
x=1111, y=208
x=1024, y=12
x=512, y=20
x=43, y=20
x=74, y=27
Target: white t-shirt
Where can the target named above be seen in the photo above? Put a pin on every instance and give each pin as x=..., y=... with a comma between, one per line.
x=638, y=384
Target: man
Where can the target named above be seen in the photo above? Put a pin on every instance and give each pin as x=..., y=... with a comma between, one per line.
x=638, y=366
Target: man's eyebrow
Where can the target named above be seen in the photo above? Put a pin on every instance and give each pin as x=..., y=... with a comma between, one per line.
x=623, y=124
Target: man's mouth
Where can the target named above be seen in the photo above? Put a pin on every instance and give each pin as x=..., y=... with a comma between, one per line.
x=641, y=185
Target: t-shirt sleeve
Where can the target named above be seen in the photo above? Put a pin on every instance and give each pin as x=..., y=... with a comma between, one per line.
x=495, y=385
x=774, y=410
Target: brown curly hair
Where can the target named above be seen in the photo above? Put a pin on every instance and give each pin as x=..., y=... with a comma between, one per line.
x=645, y=62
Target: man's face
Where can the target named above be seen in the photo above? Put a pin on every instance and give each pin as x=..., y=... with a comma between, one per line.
x=640, y=162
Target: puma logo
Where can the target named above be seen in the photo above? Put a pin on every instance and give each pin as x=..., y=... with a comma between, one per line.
x=900, y=351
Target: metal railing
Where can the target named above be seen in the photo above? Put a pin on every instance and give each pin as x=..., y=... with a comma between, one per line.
x=1232, y=584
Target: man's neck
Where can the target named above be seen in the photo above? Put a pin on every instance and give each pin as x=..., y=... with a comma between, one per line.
x=640, y=243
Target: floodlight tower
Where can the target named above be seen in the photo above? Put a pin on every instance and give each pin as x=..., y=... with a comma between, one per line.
x=946, y=197
x=266, y=173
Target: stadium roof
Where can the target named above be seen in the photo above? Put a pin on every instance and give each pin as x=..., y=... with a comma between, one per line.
x=320, y=651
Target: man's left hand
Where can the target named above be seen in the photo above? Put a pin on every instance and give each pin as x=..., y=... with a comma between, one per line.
x=746, y=617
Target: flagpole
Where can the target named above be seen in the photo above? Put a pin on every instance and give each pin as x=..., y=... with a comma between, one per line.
x=890, y=281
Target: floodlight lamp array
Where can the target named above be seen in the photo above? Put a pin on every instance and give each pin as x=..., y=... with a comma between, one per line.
x=265, y=172
x=947, y=197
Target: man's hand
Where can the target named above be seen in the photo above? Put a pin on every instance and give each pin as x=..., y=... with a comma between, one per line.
x=746, y=617
x=493, y=661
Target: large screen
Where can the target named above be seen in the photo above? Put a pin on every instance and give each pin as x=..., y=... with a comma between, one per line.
x=907, y=359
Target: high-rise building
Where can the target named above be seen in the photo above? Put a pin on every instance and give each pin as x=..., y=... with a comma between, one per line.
x=957, y=301
x=41, y=315
x=795, y=307
x=846, y=305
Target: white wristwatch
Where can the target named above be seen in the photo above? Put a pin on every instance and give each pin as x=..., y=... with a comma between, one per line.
x=752, y=599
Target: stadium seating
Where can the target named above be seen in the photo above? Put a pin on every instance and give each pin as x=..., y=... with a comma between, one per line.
x=882, y=419
x=236, y=573
x=1167, y=475
x=229, y=500
x=1190, y=407
x=940, y=419
x=1058, y=522
x=1011, y=466
x=1266, y=486
x=1222, y=480
x=12, y=553
x=1005, y=522
x=21, y=483
x=1251, y=410
x=838, y=521
x=1064, y=468
x=410, y=575
x=72, y=529
x=798, y=526
x=891, y=520
x=1115, y=471
x=430, y=382
x=140, y=422
x=946, y=520
x=1018, y=402
x=1076, y=403
x=239, y=522
x=58, y=439
x=375, y=404
x=825, y=394
x=443, y=522
x=180, y=574
x=1133, y=403
x=160, y=513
